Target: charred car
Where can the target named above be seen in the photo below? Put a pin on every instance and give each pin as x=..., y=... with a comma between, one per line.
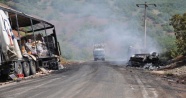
x=140, y=60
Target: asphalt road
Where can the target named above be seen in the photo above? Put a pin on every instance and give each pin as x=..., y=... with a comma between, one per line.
x=93, y=80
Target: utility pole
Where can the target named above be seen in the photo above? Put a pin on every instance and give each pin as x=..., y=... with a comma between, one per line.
x=145, y=15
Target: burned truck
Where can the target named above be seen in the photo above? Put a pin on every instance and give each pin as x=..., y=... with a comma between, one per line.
x=140, y=60
x=26, y=43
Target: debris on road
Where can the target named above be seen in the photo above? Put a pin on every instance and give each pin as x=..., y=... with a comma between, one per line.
x=43, y=70
x=173, y=70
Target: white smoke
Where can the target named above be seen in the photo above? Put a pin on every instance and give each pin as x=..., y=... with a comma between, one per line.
x=82, y=23
x=105, y=25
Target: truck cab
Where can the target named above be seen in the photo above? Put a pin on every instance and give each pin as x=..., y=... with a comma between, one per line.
x=99, y=53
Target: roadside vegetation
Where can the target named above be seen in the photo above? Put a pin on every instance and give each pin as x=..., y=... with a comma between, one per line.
x=178, y=21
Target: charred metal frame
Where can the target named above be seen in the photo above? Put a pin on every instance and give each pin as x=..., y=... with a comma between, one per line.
x=41, y=29
x=56, y=44
x=17, y=23
x=22, y=14
x=33, y=33
x=45, y=34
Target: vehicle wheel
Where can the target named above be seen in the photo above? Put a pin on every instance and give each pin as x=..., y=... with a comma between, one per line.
x=32, y=67
x=95, y=59
x=18, y=68
x=103, y=59
x=26, y=69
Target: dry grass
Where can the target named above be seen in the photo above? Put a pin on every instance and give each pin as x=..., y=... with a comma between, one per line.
x=64, y=61
x=177, y=71
x=158, y=72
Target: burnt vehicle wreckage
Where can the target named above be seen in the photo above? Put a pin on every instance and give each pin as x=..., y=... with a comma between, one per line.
x=27, y=43
x=145, y=60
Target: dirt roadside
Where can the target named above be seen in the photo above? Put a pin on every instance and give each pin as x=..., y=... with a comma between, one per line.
x=174, y=74
x=175, y=70
x=171, y=80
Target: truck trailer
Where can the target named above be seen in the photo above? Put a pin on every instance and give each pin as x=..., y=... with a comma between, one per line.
x=26, y=43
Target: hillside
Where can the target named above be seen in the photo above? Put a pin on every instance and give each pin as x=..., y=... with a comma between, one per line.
x=116, y=23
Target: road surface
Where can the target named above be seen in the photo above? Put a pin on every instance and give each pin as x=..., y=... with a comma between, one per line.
x=93, y=80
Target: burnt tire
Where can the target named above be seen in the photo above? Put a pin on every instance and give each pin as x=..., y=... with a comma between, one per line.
x=18, y=68
x=32, y=67
x=53, y=65
x=26, y=69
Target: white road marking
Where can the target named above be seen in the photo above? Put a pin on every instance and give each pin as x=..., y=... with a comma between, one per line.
x=144, y=91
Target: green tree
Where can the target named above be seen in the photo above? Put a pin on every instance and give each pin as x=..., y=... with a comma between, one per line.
x=179, y=24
